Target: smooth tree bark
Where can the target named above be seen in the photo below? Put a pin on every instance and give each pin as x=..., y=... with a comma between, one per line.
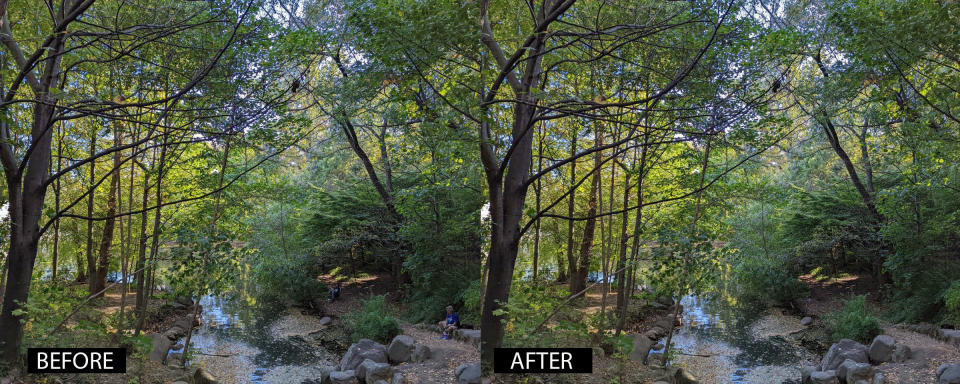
x=605, y=255
x=538, y=189
x=571, y=208
x=91, y=261
x=578, y=277
x=830, y=131
x=626, y=289
x=139, y=274
x=99, y=280
x=56, y=204
x=622, y=248
x=127, y=241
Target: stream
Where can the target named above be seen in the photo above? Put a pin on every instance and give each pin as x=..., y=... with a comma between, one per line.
x=721, y=343
x=241, y=340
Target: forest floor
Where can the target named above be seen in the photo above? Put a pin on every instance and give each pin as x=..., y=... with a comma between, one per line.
x=927, y=353
x=143, y=371
x=353, y=290
x=445, y=357
x=827, y=294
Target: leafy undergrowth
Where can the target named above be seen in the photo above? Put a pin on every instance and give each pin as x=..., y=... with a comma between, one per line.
x=854, y=321
x=374, y=320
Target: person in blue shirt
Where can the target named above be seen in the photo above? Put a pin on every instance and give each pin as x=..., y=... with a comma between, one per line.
x=451, y=323
x=334, y=293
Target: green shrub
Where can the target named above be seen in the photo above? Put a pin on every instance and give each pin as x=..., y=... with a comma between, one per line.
x=289, y=278
x=470, y=314
x=952, y=300
x=373, y=320
x=764, y=279
x=854, y=321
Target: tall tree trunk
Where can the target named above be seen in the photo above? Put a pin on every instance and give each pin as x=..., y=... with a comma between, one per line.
x=157, y=230
x=56, y=204
x=622, y=254
x=578, y=281
x=605, y=255
x=155, y=243
x=507, y=178
x=831, y=132
x=106, y=240
x=507, y=197
x=626, y=290
x=538, y=189
x=26, y=196
x=384, y=190
x=571, y=207
x=127, y=239
x=139, y=272
x=91, y=261
x=27, y=191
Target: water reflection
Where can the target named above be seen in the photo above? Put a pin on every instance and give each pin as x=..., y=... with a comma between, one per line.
x=235, y=343
x=718, y=344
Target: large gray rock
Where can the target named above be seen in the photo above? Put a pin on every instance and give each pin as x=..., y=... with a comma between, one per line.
x=951, y=336
x=400, y=349
x=469, y=373
x=685, y=377
x=343, y=377
x=471, y=336
x=398, y=378
x=807, y=320
x=948, y=374
x=901, y=353
x=665, y=301
x=879, y=378
x=370, y=371
x=805, y=372
x=824, y=377
x=420, y=354
x=641, y=347
x=325, y=321
x=161, y=344
x=859, y=371
x=362, y=350
x=201, y=376
x=881, y=349
x=184, y=323
x=843, y=367
x=387, y=382
x=843, y=350
x=325, y=371
x=175, y=359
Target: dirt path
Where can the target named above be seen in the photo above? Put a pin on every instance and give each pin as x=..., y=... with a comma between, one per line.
x=445, y=357
x=927, y=354
x=826, y=294
x=353, y=290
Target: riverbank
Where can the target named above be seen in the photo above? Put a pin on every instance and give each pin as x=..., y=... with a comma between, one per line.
x=104, y=313
x=245, y=339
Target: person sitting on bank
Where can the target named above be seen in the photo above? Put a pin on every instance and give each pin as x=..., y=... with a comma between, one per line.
x=335, y=292
x=450, y=324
